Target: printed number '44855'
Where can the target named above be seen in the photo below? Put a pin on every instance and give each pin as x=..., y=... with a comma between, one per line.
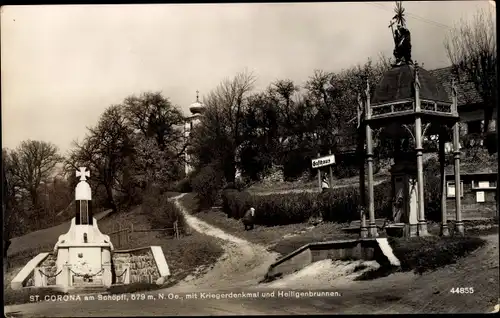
x=462, y=290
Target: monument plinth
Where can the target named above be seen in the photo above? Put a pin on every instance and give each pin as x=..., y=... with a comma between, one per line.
x=405, y=208
x=84, y=253
x=84, y=258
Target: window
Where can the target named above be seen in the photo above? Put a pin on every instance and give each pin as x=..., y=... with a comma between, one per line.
x=84, y=212
x=450, y=189
x=480, y=196
x=483, y=185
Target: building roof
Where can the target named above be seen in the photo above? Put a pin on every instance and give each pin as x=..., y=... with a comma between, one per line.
x=397, y=84
x=467, y=93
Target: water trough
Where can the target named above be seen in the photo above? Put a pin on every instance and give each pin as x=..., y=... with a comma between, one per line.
x=369, y=249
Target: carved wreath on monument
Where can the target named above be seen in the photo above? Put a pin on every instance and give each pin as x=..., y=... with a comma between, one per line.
x=83, y=269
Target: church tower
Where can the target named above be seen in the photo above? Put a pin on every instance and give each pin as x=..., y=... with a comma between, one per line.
x=197, y=109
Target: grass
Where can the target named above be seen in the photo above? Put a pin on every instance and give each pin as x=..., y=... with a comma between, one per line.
x=313, y=184
x=184, y=255
x=283, y=239
x=27, y=295
x=419, y=254
x=423, y=254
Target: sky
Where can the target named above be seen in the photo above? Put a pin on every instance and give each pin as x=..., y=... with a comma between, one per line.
x=62, y=66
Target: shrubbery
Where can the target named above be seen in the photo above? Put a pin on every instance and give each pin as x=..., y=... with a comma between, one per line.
x=336, y=205
x=160, y=211
x=422, y=254
x=207, y=184
x=183, y=186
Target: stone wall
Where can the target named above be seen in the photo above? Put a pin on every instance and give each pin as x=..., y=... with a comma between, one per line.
x=49, y=267
x=141, y=264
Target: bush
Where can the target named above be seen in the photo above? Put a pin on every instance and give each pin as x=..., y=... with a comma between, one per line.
x=207, y=183
x=235, y=203
x=422, y=254
x=336, y=205
x=184, y=186
x=161, y=212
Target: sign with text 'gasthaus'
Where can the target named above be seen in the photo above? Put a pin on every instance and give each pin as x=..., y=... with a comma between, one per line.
x=323, y=161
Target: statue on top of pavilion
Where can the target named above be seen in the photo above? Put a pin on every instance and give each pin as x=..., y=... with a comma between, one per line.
x=401, y=35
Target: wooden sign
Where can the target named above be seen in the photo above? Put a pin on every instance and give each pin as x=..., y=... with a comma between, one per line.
x=323, y=161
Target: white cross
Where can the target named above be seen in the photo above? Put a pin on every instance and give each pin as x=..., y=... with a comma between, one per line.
x=82, y=174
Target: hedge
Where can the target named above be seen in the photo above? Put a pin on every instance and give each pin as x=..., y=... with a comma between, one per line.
x=336, y=205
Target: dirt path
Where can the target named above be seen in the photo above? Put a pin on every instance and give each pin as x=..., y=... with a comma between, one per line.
x=243, y=264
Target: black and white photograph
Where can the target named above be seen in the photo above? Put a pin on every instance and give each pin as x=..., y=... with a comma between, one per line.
x=215, y=159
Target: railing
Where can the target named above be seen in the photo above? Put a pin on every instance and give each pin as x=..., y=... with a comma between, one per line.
x=392, y=108
x=408, y=106
x=121, y=236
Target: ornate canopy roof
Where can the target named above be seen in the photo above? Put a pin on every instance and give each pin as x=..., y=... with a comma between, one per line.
x=398, y=84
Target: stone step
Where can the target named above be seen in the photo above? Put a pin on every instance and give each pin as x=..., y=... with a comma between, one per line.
x=88, y=290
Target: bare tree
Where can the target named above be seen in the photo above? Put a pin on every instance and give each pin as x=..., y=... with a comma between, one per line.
x=221, y=131
x=472, y=50
x=33, y=162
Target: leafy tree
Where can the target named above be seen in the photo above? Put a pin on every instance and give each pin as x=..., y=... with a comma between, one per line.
x=261, y=146
x=158, y=141
x=13, y=219
x=154, y=116
x=32, y=163
x=104, y=151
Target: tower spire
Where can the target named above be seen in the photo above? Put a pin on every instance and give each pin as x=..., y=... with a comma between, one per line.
x=197, y=96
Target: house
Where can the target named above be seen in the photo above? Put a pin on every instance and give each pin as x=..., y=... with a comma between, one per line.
x=470, y=104
x=478, y=180
x=477, y=189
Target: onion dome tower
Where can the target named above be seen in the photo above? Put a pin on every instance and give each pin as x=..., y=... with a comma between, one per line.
x=197, y=109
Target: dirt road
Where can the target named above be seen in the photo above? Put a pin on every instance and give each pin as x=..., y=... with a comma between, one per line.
x=244, y=264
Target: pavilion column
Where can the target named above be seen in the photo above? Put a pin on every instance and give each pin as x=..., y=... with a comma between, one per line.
x=362, y=188
x=459, y=225
x=363, y=233
x=442, y=161
x=422, y=224
x=458, y=185
x=372, y=226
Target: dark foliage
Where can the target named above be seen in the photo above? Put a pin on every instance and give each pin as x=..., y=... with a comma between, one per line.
x=336, y=205
x=161, y=212
x=422, y=254
x=207, y=183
